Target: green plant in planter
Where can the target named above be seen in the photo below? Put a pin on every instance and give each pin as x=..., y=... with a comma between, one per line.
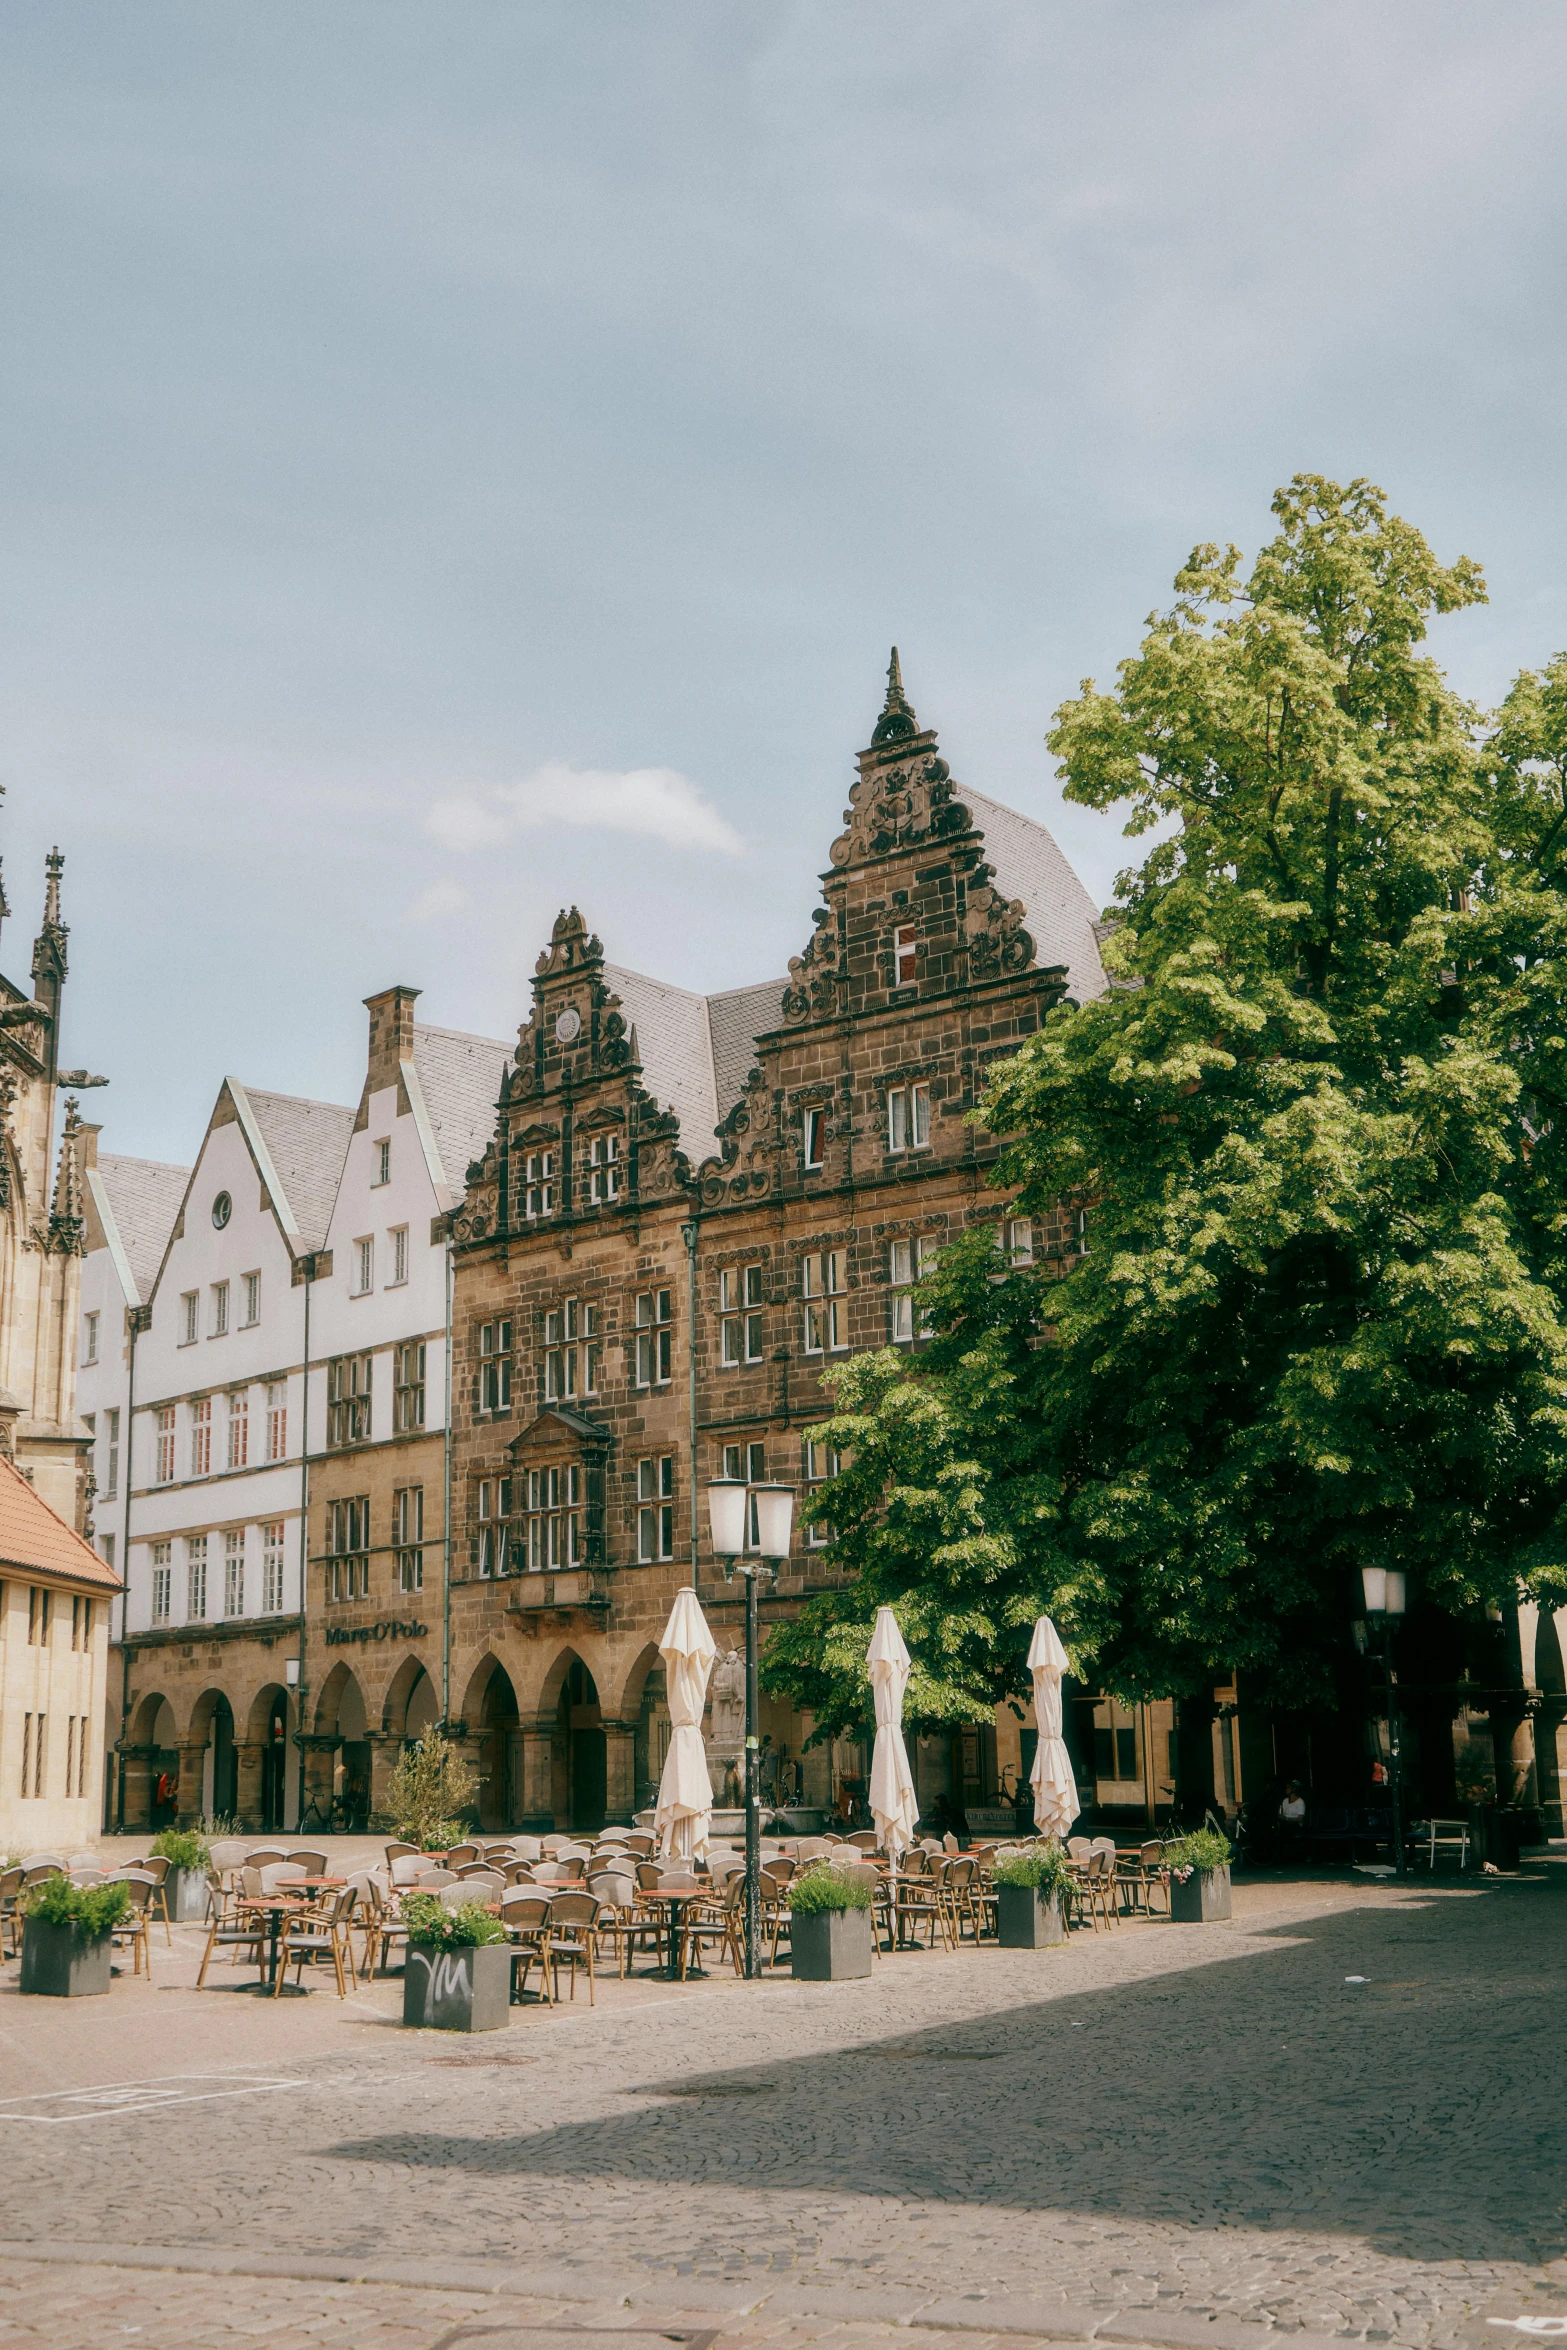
x=182, y=1848
x=821, y=1890
x=467, y=1928
x=93, y=1909
x=1201, y=1850
x=1046, y=1871
x=429, y=1789
x=1473, y=1777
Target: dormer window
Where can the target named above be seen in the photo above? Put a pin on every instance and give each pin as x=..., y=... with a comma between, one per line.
x=905, y=954
x=815, y=1136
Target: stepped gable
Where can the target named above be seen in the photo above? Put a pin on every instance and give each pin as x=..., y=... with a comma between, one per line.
x=142, y=1196
x=461, y=1077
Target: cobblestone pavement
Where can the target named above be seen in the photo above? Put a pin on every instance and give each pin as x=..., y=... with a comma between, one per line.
x=1162, y=2134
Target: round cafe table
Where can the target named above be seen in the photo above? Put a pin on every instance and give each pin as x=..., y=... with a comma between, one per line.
x=674, y=1898
x=273, y=1907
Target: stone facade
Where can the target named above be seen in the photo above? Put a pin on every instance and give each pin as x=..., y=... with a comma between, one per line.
x=665, y=1309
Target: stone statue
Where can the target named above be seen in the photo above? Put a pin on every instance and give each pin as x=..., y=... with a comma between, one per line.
x=727, y=1735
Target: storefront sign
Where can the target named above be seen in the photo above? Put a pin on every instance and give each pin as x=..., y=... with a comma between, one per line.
x=339, y=1635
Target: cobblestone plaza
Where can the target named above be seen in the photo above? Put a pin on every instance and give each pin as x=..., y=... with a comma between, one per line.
x=1339, y=2116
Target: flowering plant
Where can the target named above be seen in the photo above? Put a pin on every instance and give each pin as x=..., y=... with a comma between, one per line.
x=1202, y=1850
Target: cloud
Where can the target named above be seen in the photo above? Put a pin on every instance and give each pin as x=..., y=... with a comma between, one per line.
x=658, y=803
x=439, y=902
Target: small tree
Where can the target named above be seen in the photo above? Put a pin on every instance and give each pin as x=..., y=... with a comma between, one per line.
x=430, y=1787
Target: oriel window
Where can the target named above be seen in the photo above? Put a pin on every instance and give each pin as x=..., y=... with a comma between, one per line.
x=554, y=1518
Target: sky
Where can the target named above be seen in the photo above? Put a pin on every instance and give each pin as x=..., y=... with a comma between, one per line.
x=462, y=461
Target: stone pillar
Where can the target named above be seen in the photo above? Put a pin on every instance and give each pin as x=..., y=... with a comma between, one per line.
x=516, y=1772
x=620, y=1774
x=138, y=1785
x=248, y=1756
x=1553, y=1711
x=318, y=1755
x=193, y=1762
x=386, y=1747
x=538, y=1774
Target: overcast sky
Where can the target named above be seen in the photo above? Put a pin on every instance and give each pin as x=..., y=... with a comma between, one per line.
x=459, y=460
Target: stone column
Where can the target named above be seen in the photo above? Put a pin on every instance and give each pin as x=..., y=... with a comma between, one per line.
x=620, y=1773
x=138, y=1785
x=193, y=1760
x=248, y=1756
x=385, y=1748
x=317, y=1755
x=538, y=1774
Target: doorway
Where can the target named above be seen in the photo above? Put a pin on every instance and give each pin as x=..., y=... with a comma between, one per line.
x=274, y=1766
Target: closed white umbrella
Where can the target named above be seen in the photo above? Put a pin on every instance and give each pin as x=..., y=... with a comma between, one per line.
x=685, y=1792
x=1055, y=1789
x=893, y=1804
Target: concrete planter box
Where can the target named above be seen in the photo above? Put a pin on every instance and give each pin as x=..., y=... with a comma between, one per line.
x=830, y=1946
x=1204, y=1897
x=185, y=1891
x=457, y=1990
x=1028, y=1918
x=61, y=1962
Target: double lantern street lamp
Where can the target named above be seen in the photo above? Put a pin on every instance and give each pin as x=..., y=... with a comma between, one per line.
x=751, y=1527
x=1386, y=1595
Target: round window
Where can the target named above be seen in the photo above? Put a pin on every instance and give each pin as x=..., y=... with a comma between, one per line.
x=568, y=1025
x=222, y=1209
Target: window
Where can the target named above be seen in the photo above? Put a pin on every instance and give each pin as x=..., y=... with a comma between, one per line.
x=656, y=1508
x=1080, y=1231
x=539, y=1183
x=740, y=1321
x=815, y=1136
x=77, y=1606
x=571, y=1351
x=252, y=1294
x=33, y=1745
x=820, y=1462
x=70, y=1749
x=826, y=1316
x=162, y=1580
x=111, y=1454
x=603, y=1170
x=38, y=1599
x=195, y=1578
x=554, y=1523
x=495, y=1366
x=201, y=1437
x=89, y=1338
x=494, y=1513
x=383, y=1164
x=348, y=1547
x=364, y=1268
x=165, y=1445
x=908, y=1261
x=106, y=1549
x=348, y=1401
x=408, y=1385
x=277, y=1419
x=750, y=1462
x=905, y=954
x=399, y=1240
x=220, y=1309
x=189, y=1308
x=908, y=1118
x=1015, y=1239
x=239, y=1428
x=654, y=1339
x=272, y=1568
x=234, y=1571
x=407, y=1534
x=81, y=1760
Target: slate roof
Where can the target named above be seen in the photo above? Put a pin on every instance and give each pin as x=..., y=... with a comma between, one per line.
x=736, y=1019
x=1061, y=914
x=308, y=1142
x=675, y=1049
x=460, y=1077
x=143, y=1196
x=36, y=1539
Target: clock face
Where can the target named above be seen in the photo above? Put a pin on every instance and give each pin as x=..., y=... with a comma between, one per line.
x=568, y=1025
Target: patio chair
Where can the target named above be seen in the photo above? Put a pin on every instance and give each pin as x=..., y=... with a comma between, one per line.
x=319, y=1933
x=527, y=1848
x=460, y=1855
x=960, y=1890
x=10, y=1916
x=1447, y=1837
x=262, y=1856
x=518, y=1872
x=526, y=1917
x=573, y=1924
x=157, y=1867
x=720, y=1922
x=1139, y=1876
x=641, y=1843
x=244, y=1932
x=93, y=1876
x=916, y=1900
x=227, y=1853
x=616, y=1894
x=39, y=1872
x=132, y=1928
x=314, y=1864
x=432, y=1880
x=408, y=1868
x=44, y=1860
x=278, y=1875
x=396, y=1852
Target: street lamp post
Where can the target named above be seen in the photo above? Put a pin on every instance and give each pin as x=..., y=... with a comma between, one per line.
x=734, y=1510
x=1386, y=1597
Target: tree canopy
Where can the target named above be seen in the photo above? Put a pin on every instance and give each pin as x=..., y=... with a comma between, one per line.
x=1316, y=1119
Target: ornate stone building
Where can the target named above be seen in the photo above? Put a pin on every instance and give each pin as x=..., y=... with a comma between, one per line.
x=689, y=1207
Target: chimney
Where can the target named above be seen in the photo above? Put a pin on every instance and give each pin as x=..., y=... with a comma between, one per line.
x=391, y=1035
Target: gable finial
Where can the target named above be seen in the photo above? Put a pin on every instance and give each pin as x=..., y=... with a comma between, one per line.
x=897, y=720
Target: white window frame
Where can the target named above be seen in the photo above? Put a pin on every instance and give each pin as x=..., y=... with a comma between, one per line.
x=908, y=1261
x=655, y=1509
x=553, y=1518
x=813, y=1138
x=162, y=1581
x=824, y=1286
x=237, y=1449
x=233, y=1573
x=603, y=1170
x=167, y=1434
x=220, y=1309
x=364, y=1266
x=195, y=1578
x=89, y=1339
x=538, y=1180
x=111, y=1449
x=273, y=1536
x=1017, y=1240
x=495, y=1356
x=398, y=1236
x=908, y=1118
x=252, y=1286
x=190, y=1316
x=383, y=1164
x=741, y=1296
x=277, y=1419
x=201, y=1436
x=905, y=952
x=818, y=1462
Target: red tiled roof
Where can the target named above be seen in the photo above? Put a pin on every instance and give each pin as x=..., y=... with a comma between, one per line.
x=37, y=1539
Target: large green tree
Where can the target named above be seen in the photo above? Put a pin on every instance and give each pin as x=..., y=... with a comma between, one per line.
x=1316, y=1118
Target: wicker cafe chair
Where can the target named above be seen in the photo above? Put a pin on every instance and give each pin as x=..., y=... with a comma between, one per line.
x=483, y=1884
x=314, y=1864
x=319, y=1933
x=132, y=1928
x=917, y=1900
x=573, y=1933
x=246, y=1932
x=616, y=1896
x=961, y=1894
x=460, y=1856
x=1138, y=1877
x=263, y=1856
x=401, y=1852
x=720, y=1921
x=156, y=1866
x=526, y=1917
x=10, y=1915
